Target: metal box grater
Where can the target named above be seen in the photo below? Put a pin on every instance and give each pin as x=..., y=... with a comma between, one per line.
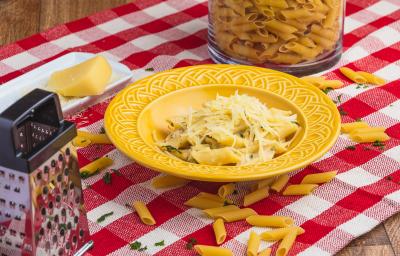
x=41, y=201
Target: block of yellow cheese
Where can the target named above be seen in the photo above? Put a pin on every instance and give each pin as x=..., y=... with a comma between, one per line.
x=85, y=79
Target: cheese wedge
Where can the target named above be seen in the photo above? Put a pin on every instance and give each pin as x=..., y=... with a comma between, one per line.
x=85, y=79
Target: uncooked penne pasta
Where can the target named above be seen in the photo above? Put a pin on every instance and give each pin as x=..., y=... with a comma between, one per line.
x=280, y=182
x=319, y=178
x=324, y=32
x=299, y=190
x=203, y=203
x=273, y=3
x=236, y=215
x=269, y=221
x=279, y=233
x=371, y=78
x=334, y=84
x=212, y=212
x=307, y=42
x=265, y=252
x=315, y=80
x=95, y=166
x=255, y=196
x=369, y=129
x=219, y=231
x=369, y=137
x=331, y=16
x=286, y=58
x=279, y=26
x=253, y=244
x=349, y=127
x=322, y=41
x=168, y=181
x=206, y=250
x=286, y=243
x=226, y=190
x=301, y=50
x=296, y=13
x=144, y=213
x=214, y=197
x=235, y=5
x=84, y=139
x=262, y=183
x=352, y=75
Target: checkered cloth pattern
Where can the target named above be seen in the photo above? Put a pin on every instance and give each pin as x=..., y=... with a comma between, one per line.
x=167, y=34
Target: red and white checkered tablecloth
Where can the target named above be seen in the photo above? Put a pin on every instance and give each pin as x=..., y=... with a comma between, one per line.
x=168, y=34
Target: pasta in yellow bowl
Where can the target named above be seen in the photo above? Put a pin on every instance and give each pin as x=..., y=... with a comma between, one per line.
x=136, y=121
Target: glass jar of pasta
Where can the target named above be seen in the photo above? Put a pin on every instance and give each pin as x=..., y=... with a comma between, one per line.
x=294, y=36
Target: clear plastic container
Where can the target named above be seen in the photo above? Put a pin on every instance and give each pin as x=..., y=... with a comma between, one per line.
x=294, y=36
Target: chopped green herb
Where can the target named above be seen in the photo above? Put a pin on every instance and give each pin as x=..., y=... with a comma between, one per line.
x=361, y=86
x=107, y=178
x=135, y=245
x=84, y=174
x=192, y=242
x=235, y=192
x=142, y=249
x=116, y=172
x=149, y=69
x=104, y=216
x=327, y=90
x=161, y=243
x=342, y=112
x=366, y=148
x=358, y=120
x=389, y=178
x=171, y=148
x=241, y=135
x=351, y=148
x=339, y=98
x=379, y=144
x=102, y=130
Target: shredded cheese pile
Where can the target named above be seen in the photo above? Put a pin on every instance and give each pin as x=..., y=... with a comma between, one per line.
x=235, y=130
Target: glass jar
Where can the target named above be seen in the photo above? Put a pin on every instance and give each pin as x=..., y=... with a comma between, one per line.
x=294, y=36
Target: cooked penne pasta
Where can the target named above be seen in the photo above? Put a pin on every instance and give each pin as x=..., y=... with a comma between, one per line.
x=280, y=182
x=279, y=233
x=226, y=190
x=168, y=181
x=369, y=137
x=262, y=183
x=369, y=129
x=255, y=196
x=212, y=212
x=286, y=243
x=144, y=213
x=269, y=221
x=349, y=127
x=265, y=252
x=319, y=178
x=207, y=250
x=253, y=244
x=299, y=190
x=219, y=231
x=236, y=215
x=352, y=75
x=371, y=78
x=203, y=203
x=95, y=166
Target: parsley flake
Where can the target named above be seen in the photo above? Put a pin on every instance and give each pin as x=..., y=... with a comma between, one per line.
x=342, y=112
x=149, y=69
x=339, y=98
x=379, y=144
x=102, y=130
x=192, y=242
x=116, y=172
x=327, y=90
x=170, y=148
x=107, y=178
x=135, y=245
x=351, y=148
x=161, y=243
x=104, y=216
x=361, y=86
x=142, y=249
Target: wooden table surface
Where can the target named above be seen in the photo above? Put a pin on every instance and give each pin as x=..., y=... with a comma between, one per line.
x=22, y=18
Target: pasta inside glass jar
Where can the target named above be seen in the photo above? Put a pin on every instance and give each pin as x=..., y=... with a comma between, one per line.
x=295, y=36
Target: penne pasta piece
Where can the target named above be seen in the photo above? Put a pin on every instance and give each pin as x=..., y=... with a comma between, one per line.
x=302, y=50
x=274, y=3
x=318, y=178
x=369, y=137
x=316, y=17
x=296, y=13
x=203, y=203
x=331, y=16
x=279, y=26
x=319, y=40
x=236, y=215
x=324, y=32
x=286, y=243
x=300, y=26
x=84, y=139
x=280, y=182
x=207, y=250
x=226, y=190
x=315, y=80
x=95, y=166
x=286, y=58
x=214, y=197
x=299, y=190
x=269, y=221
x=255, y=196
x=349, y=127
x=368, y=129
x=371, y=78
x=144, y=213
x=168, y=181
x=253, y=244
x=262, y=183
x=219, y=231
x=265, y=252
x=352, y=75
x=212, y=212
x=307, y=42
x=245, y=51
x=235, y=5
x=279, y=233
x=334, y=84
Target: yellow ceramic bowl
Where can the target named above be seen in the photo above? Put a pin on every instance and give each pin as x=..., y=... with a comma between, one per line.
x=144, y=106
